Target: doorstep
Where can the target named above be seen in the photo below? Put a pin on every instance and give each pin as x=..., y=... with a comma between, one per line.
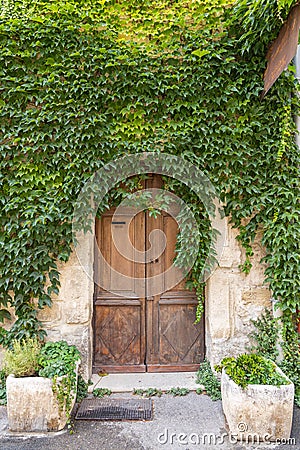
x=126, y=382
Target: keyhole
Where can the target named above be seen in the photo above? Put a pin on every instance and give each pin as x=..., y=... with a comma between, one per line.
x=154, y=261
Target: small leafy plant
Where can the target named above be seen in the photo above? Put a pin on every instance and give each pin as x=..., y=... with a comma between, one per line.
x=57, y=359
x=291, y=361
x=251, y=369
x=177, y=391
x=2, y=387
x=22, y=360
x=265, y=336
x=82, y=388
x=207, y=378
x=138, y=391
x=150, y=392
x=101, y=392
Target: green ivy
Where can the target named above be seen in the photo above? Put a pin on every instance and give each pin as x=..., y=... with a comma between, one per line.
x=82, y=389
x=265, y=337
x=178, y=391
x=58, y=360
x=84, y=82
x=2, y=387
x=207, y=378
x=150, y=392
x=269, y=335
x=101, y=392
x=291, y=355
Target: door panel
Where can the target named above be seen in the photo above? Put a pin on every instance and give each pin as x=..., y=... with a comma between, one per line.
x=108, y=275
x=180, y=344
x=134, y=330
x=120, y=335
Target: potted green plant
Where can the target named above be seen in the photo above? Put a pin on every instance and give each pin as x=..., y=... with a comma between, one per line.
x=257, y=398
x=41, y=384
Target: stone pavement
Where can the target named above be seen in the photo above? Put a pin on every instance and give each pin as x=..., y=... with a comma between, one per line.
x=189, y=422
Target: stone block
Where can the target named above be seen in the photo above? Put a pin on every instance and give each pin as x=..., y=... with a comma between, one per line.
x=232, y=253
x=77, y=312
x=218, y=313
x=83, y=253
x=81, y=337
x=76, y=293
x=53, y=334
x=52, y=314
x=32, y=405
x=257, y=296
x=259, y=412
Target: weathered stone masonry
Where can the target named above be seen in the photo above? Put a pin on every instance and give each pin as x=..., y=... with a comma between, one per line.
x=232, y=299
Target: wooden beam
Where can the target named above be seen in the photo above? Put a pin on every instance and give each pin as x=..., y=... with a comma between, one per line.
x=283, y=49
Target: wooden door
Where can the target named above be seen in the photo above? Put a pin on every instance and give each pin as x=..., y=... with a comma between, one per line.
x=134, y=332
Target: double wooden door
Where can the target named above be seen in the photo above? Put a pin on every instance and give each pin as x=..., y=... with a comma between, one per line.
x=135, y=331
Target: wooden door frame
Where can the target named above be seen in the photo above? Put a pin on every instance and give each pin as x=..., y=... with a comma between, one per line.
x=150, y=367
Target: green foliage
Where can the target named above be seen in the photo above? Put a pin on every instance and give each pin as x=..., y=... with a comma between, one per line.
x=177, y=391
x=84, y=82
x=291, y=355
x=2, y=387
x=150, y=392
x=207, y=378
x=138, y=391
x=269, y=335
x=265, y=338
x=101, y=392
x=22, y=360
x=257, y=22
x=82, y=388
x=57, y=360
x=154, y=392
x=251, y=369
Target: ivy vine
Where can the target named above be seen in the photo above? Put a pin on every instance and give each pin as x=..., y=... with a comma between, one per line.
x=84, y=82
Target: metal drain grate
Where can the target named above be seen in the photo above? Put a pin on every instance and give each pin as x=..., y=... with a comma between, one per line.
x=115, y=409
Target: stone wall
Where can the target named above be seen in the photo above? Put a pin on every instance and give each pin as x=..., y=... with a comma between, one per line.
x=232, y=300
x=70, y=317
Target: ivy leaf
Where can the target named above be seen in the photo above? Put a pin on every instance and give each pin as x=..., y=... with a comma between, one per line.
x=200, y=52
x=4, y=314
x=38, y=19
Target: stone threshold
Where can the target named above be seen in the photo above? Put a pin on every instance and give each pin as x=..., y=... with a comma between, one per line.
x=126, y=382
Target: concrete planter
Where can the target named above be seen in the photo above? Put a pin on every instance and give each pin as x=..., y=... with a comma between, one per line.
x=32, y=405
x=259, y=412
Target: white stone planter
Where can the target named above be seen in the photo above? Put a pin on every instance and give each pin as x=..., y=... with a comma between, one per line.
x=259, y=412
x=32, y=405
